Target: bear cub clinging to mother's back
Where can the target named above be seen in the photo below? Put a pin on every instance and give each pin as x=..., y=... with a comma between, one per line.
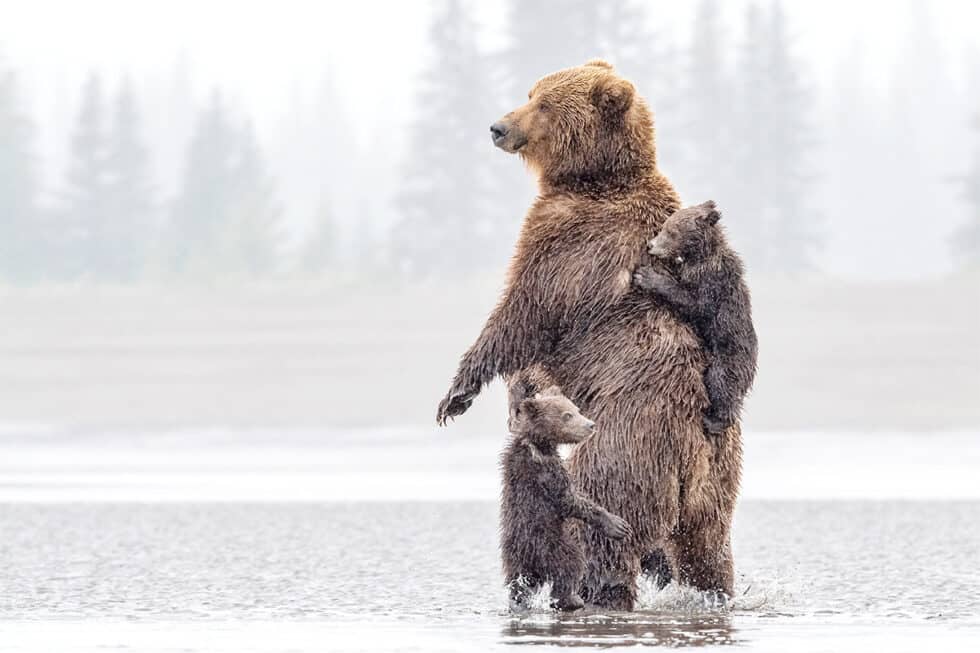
x=704, y=282
x=538, y=499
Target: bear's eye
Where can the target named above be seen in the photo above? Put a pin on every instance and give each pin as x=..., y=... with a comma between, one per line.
x=567, y=417
x=544, y=106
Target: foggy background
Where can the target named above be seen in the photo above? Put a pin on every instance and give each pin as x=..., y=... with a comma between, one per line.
x=269, y=218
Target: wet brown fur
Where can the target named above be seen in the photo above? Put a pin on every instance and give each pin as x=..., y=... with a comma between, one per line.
x=537, y=540
x=625, y=359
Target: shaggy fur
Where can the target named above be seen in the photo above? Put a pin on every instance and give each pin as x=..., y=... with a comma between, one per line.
x=536, y=543
x=703, y=281
x=617, y=352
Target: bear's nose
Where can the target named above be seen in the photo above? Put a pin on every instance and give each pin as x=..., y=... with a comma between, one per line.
x=497, y=131
x=590, y=425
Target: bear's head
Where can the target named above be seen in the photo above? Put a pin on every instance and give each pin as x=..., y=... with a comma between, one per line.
x=583, y=125
x=547, y=418
x=688, y=236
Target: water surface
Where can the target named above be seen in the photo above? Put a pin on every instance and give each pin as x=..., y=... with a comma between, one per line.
x=812, y=575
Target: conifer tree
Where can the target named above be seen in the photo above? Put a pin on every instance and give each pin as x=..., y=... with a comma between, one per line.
x=789, y=133
x=83, y=234
x=763, y=174
x=923, y=134
x=19, y=232
x=448, y=195
x=129, y=201
x=320, y=248
x=966, y=240
x=225, y=222
x=250, y=242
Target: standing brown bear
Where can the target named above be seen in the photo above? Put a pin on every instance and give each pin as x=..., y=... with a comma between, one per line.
x=618, y=353
x=539, y=500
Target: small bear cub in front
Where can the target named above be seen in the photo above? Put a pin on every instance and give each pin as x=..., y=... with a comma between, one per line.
x=703, y=280
x=538, y=542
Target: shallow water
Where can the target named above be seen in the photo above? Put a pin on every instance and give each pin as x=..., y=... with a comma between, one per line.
x=812, y=575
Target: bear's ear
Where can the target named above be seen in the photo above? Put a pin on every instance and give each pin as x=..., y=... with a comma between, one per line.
x=599, y=63
x=553, y=391
x=527, y=408
x=520, y=390
x=612, y=96
x=712, y=215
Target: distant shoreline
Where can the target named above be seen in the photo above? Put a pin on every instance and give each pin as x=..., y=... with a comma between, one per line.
x=833, y=355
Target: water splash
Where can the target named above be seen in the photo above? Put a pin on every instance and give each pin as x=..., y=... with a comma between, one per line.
x=676, y=599
x=538, y=601
x=760, y=595
x=765, y=596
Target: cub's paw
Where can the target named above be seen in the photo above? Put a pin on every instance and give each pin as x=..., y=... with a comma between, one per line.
x=643, y=276
x=649, y=278
x=616, y=527
x=570, y=603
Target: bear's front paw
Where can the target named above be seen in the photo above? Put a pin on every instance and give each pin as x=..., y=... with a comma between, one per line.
x=616, y=527
x=454, y=404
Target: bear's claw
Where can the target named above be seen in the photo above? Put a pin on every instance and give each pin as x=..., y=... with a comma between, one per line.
x=453, y=405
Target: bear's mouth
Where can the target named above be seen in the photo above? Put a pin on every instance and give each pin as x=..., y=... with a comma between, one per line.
x=511, y=145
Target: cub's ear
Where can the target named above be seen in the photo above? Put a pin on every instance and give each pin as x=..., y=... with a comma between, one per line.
x=709, y=212
x=553, y=391
x=527, y=408
x=612, y=96
x=520, y=390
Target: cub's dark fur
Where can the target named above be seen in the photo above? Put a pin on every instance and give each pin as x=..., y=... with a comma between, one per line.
x=704, y=282
x=538, y=543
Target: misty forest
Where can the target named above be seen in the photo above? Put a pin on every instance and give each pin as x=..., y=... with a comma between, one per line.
x=164, y=184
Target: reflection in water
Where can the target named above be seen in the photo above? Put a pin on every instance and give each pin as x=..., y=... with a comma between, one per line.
x=602, y=631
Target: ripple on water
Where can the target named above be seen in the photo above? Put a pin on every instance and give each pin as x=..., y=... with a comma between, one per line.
x=438, y=562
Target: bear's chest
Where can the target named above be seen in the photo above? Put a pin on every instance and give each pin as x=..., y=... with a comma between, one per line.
x=583, y=255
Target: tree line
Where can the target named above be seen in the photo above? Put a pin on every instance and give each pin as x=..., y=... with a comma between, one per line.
x=737, y=126
x=107, y=221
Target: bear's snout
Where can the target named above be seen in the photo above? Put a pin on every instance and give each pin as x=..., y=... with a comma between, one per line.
x=498, y=132
x=658, y=248
x=507, y=135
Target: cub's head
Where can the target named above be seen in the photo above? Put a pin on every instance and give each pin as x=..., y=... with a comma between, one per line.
x=582, y=123
x=547, y=418
x=689, y=235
